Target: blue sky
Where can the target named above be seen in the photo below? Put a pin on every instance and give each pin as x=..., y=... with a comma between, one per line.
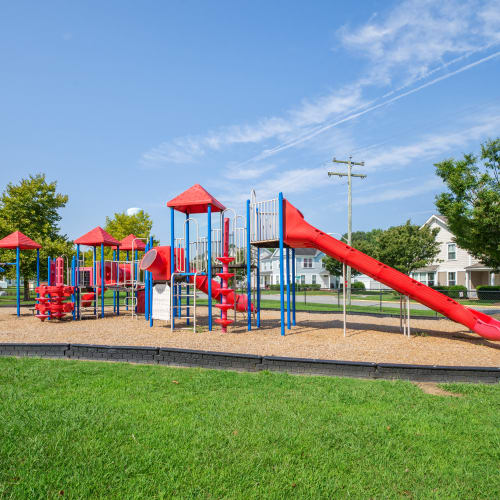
x=126, y=104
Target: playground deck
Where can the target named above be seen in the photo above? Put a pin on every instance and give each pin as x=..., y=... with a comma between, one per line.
x=320, y=336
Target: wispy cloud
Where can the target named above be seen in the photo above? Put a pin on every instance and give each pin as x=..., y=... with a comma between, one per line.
x=433, y=145
x=412, y=43
x=399, y=193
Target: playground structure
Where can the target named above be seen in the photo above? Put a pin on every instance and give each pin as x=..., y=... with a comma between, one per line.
x=19, y=241
x=215, y=256
x=274, y=223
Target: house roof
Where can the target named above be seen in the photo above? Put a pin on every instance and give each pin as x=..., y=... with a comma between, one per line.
x=131, y=242
x=439, y=217
x=305, y=252
x=478, y=267
x=195, y=200
x=19, y=240
x=427, y=269
x=97, y=237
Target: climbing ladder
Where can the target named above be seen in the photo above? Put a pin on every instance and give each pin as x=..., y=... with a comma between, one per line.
x=179, y=290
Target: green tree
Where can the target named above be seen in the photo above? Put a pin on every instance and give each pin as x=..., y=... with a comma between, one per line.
x=365, y=242
x=407, y=247
x=32, y=206
x=472, y=202
x=121, y=225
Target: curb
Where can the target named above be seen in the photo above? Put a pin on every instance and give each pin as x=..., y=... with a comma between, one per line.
x=253, y=363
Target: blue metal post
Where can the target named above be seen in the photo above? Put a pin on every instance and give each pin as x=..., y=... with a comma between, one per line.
x=146, y=291
x=187, y=267
x=258, y=287
x=48, y=281
x=18, y=278
x=293, y=287
x=258, y=269
x=288, y=322
x=126, y=303
x=73, y=295
x=96, y=296
x=282, y=274
x=209, y=266
x=114, y=292
x=172, y=261
x=249, y=270
x=102, y=280
x=118, y=275
x=77, y=280
x=37, y=267
x=151, y=289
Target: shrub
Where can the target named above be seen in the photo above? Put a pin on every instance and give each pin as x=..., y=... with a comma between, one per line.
x=358, y=285
x=488, y=292
x=457, y=292
x=454, y=292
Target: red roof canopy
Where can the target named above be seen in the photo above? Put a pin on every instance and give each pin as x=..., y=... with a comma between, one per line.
x=128, y=243
x=195, y=200
x=97, y=237
x=19, y=240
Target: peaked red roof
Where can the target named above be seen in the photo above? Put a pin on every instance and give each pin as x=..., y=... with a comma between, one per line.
x=19, y=240
x=97, y=237
x=128, y=243
x=195, y=200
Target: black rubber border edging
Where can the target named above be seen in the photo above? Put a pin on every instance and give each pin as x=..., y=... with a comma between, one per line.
x=254, y=363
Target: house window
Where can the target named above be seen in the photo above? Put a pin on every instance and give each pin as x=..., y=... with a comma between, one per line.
x=313, y=277
x=303, y=279
x=452, y=279
x=308, y=262
x=431, y=279
x=452, y=251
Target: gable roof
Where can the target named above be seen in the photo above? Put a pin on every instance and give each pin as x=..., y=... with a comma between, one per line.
x=19, y=240
x=195, y=200
x=128, y=243
x=97, y=237
x=438, y=217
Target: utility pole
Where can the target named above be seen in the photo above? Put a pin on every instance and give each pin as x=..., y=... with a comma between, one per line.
x=349, y=176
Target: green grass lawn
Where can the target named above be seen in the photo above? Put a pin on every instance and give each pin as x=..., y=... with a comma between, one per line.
x=93, y=430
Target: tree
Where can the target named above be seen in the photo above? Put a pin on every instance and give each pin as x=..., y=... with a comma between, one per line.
x=121, y=225
x=472, y=202
x=32, y=207
x=407, y=247
x=365, y=242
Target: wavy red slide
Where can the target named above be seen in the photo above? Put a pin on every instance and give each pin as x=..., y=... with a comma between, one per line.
x=300, y=234
x=241, y=301
x=157, y=262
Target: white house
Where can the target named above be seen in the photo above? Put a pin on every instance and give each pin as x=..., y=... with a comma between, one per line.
x=453, y=265
x=309, y=268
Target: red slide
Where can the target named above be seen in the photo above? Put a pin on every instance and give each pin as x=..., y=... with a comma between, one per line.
x=241, y=301
x=300, y=234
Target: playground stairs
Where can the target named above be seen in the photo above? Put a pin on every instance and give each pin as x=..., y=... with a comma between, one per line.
x=224, y=306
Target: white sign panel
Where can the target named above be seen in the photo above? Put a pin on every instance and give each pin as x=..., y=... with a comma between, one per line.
x=161, y=302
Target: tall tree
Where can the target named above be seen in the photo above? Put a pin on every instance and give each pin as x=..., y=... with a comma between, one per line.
x=407, y=247
x=121, y=225
x=472, y=202
x=366, y=242
x=32, y=206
